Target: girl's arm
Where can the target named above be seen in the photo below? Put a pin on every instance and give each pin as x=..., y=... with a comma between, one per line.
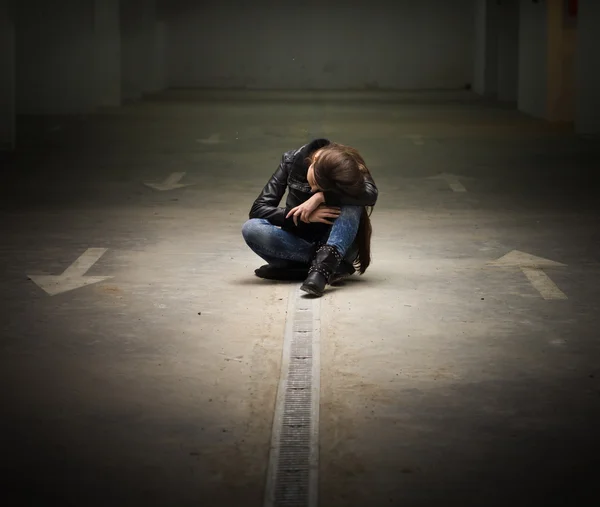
x=367, y=198
x=266, y=204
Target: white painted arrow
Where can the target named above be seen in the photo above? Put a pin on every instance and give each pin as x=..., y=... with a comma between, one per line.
x=416, y=139
x=170, y=183
x=452, y=180
x=73, y=277
x=213, y=139
x=531, y=266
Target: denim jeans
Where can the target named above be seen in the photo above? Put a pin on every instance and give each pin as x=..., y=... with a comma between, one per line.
x=280, y=248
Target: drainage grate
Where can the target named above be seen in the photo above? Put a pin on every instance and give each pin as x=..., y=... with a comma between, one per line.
x=293, y=461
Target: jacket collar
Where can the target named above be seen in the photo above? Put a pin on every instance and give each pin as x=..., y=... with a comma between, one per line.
x=303, y=152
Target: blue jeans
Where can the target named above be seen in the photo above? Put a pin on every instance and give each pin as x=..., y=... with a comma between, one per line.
x=280, y=247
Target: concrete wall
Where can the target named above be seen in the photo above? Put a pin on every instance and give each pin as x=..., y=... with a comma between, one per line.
x=565, y=104
x=160, y=56
x=55, y=64
x=485, y=47
x=587, y=115
x=161, y=44
x=508, y=50
x=561, y=63
x=533, y=61
x=140, y=40
x=479, y=46
x=107, y=57
x=320, y=45
x=76, y=55
x=132, y=49
x=547, y=60
x=7, y=76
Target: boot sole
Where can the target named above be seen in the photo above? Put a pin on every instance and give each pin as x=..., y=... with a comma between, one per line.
x=283, y=276
x=340, y=278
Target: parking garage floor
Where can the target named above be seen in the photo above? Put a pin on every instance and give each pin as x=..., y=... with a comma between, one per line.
x=141, y=358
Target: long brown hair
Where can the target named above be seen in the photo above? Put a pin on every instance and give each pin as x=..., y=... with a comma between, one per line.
x=341, y=168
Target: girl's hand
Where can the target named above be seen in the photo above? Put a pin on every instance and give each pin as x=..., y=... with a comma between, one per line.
x=323, y=213
x=304, y=210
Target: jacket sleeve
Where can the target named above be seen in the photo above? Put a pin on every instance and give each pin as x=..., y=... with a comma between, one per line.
x=266, y=204
x=367, y=198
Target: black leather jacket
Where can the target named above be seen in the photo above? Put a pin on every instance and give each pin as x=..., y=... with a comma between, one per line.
x=291, y=174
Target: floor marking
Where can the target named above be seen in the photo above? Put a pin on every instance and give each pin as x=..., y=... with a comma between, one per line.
x=531, y=266
x=292, y=476
x=213, y=139
x=457, y=186
x=170, y=183
x=541, y=281
x=452, y=180
x=73, y=277
x=417, y=139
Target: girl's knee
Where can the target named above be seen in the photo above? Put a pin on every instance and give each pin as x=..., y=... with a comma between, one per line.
x=352, y=211
x=249, y=229
x=254, y=229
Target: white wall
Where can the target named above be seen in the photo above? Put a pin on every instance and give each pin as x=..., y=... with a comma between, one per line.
x=7, y=76
x=587, y=116
x=55, y=64
x=320, y=45
x=533, y=61
x=107, y=57
x=508, y=50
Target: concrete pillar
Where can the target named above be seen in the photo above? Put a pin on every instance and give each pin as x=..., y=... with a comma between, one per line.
x=162, y=34
x=533, y=64
x=160, y=56
x=107, y=56
x=139, y=48
x=561, y=63
x=508, y=50
x=546, y=60
x=485, y=73
x=7, y=76
x=55, y=56
x=587, y=116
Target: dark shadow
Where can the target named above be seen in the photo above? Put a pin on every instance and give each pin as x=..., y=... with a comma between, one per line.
x=263, y=281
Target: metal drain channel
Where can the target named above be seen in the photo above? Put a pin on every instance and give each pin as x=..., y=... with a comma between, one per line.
x=292, y=477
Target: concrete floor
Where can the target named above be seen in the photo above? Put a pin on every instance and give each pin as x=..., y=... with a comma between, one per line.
x=446, y=379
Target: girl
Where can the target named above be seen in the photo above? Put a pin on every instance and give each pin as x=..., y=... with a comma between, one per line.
x=324, y=232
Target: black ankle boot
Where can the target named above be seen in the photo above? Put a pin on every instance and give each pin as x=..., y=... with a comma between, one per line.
x=293, y=271
x=323, y=265
x=343, y=271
